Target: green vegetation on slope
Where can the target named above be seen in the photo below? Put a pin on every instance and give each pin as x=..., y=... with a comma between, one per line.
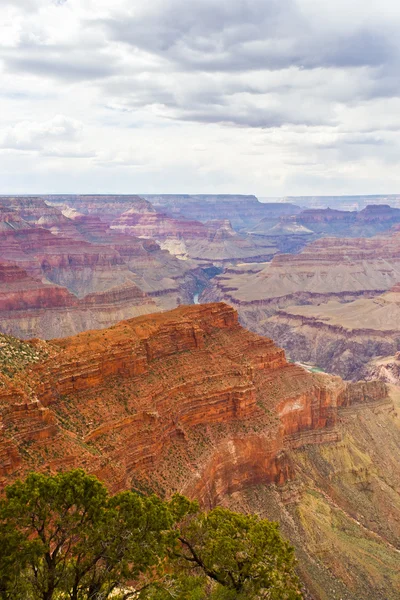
x=16, y=355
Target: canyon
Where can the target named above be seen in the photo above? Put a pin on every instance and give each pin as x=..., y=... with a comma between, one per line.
x=73, y=263
x=344, y=338
x=210, y=242
x=334, y=304
x=189, y=400
x=71, y=273
x=98, y=259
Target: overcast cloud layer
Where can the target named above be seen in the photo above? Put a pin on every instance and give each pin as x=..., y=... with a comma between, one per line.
x=272, y=97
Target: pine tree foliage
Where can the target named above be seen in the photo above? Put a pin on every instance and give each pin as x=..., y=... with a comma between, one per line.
x=64, y=537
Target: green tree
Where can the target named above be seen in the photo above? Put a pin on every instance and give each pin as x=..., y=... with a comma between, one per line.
x=244, y=555
x=66, y=538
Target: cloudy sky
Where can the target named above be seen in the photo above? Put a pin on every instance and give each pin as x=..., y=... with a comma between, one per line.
x=271, y=97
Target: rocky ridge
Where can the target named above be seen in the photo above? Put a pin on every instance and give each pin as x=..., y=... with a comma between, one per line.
x=344, y=338
x=244, y=212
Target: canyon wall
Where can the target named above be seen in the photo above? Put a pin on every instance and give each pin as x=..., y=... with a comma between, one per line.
x=243, y=211
x=148, y=388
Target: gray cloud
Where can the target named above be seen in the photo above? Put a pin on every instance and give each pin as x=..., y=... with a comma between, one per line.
x=245, y=36
x=233, y=48
x=60, y=62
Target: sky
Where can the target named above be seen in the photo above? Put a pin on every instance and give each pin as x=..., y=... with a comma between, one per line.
x=265, y=97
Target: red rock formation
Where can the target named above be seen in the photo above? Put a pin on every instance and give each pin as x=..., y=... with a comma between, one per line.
x=341, y=268
x=107, y=207
x=158, y=226
x=184, y=400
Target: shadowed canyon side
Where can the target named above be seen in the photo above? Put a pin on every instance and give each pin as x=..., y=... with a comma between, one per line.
x=102, y=258
x=185, y=400
x=344, y=338
x=312, y=223
x=106, y=258
x=244, y=212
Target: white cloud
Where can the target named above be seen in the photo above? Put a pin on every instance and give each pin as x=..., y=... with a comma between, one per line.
x=33, y=135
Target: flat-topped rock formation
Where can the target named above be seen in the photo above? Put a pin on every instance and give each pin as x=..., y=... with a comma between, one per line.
x=91, y=275
x=243, y=211
x=344, y=338
x=292, y=232
x=327, y=268
x=329, y=305
x=206, y=243
x=105, y=206
x=373, y=219
x=189, y=400
x=346, y=203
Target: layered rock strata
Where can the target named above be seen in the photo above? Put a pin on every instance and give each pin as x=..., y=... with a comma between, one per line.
x=244, y=212
x=71, y=273
x=167, y=387
x=328, y=305
x=344, y=338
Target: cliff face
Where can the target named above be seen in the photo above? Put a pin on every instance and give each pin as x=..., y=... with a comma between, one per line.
x=185, y=400
x=164, y=385
x=341, y=509
x=213, y=242
x=106, y=207
x=343, y=338
x=292, y=232
x=327, y=268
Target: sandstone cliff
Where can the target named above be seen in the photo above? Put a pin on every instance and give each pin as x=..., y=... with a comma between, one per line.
x=324, y=305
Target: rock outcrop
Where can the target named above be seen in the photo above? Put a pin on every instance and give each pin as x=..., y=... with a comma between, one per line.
x=373, y=219
x=329, y=305
x=341, y=510
x=210, y=243
x=344, y=338
x=165, y=384
x=294, y=231
x=326, y=269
